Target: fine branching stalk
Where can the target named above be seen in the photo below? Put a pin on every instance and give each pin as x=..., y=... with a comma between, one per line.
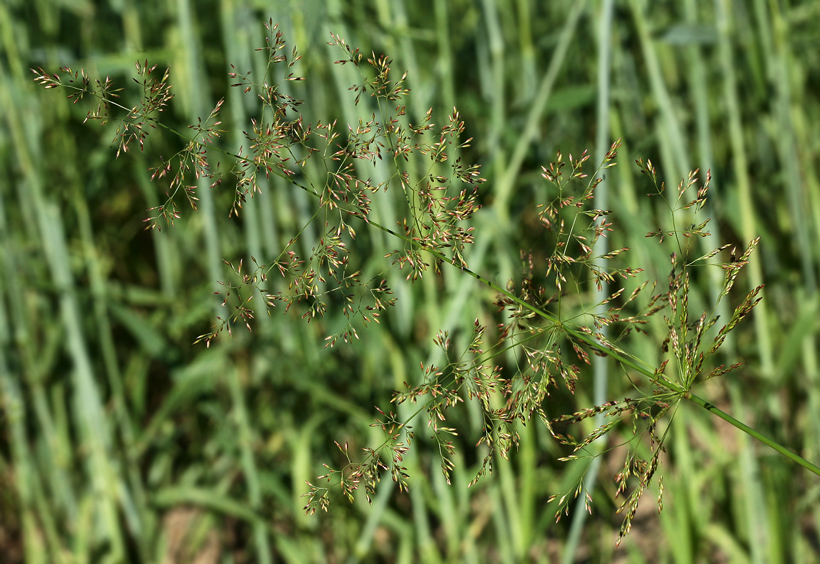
x=543, y=316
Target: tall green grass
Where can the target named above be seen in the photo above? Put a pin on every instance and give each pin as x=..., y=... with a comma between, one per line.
x=123, y=442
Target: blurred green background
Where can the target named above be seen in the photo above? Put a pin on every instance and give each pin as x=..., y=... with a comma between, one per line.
x=123, y=442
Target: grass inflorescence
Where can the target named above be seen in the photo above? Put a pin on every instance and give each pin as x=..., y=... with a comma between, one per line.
x=544, y=312
x=328, y=214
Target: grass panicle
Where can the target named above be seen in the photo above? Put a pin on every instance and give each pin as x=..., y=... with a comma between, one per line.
x=544, y=311
x=343, y=238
